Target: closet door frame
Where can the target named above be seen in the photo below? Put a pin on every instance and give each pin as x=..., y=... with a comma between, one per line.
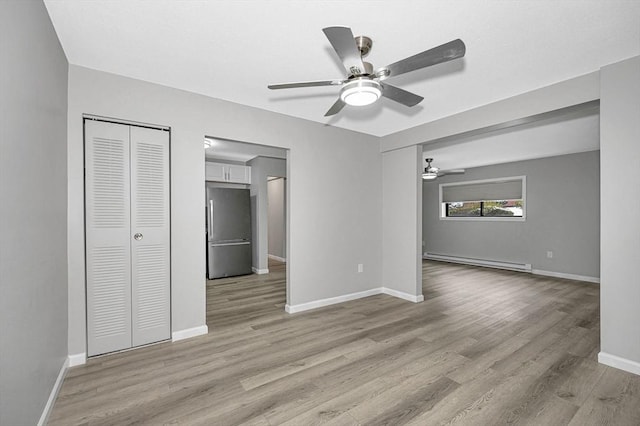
x=94, y=348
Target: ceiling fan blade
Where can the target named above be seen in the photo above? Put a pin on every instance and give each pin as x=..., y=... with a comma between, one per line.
x=443, y=53
x=344, y=44
x=400, y=95
x=335, y=108
x=306, y=84
x=451, y=172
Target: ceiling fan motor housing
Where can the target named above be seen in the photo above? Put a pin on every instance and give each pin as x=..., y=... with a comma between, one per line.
x=355, y=72
x=364, y=44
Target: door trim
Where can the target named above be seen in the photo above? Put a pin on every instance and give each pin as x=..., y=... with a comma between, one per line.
x=126, y=122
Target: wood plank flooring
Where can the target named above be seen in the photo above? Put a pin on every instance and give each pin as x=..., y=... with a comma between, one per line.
x=487, y=347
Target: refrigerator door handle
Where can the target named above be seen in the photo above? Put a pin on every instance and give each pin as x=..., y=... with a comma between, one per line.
x=210, y=224
x=229, y=243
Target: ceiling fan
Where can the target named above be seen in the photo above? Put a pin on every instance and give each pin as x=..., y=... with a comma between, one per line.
x=363, y=85
x=431, y=172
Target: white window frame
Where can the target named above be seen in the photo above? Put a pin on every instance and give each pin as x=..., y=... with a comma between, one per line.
x=443, y=209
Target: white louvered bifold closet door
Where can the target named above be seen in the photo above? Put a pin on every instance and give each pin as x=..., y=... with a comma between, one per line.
x=150, y=218
x=108, y=247
x=127, y=236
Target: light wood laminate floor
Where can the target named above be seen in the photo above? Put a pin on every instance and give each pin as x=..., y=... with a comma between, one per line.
x=487, y=347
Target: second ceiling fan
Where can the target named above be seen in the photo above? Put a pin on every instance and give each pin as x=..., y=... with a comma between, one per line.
x=364, y=85
x=432, y=172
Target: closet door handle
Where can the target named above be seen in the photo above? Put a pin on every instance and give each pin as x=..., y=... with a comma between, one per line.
x=138, y=236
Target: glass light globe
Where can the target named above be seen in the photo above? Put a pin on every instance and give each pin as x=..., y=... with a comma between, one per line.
x=360, y=92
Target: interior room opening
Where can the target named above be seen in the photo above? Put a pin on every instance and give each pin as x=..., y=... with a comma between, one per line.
x=245, y=201
x=524, y=196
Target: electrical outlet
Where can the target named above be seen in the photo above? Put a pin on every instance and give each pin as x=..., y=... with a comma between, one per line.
x=549, y=255
x=360, y=267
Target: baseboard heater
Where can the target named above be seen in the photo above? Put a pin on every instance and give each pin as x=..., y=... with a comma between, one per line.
x=523, y=267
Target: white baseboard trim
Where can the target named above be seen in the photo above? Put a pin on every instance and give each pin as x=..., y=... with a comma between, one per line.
x=189, y=332
x=403, y=295
x=619, y=363
x=77, y=359
x=567, y=276
x=292, y=309
x=54, y=393
x=278, y=258
x=511, y=266
x=260, y=271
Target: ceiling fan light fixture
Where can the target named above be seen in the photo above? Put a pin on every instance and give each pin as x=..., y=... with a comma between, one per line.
x=430, y=172
x=429, y=175
x=360, y=92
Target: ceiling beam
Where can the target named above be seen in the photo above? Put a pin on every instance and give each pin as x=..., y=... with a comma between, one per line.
x=537, y=104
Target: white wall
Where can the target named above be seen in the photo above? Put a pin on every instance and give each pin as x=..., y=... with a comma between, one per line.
x=563, y=216
x=334, y=221
x=261, y=169
x=277, y=219
x=33, y=211
x=402, y=221
x=620, y=241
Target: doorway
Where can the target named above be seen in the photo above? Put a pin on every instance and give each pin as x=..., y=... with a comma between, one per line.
x=256, y=166
x=276, y=219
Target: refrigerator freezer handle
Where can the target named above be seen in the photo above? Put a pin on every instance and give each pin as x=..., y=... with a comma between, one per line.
x=210, y=224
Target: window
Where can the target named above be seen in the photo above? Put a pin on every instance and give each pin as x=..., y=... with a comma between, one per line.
x=487, y=208
x=492, y=199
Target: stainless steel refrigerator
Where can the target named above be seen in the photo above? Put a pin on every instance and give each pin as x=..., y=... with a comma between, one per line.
x=228, y=232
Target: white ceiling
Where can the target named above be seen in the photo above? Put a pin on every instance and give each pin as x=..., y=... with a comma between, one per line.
x=232, y=49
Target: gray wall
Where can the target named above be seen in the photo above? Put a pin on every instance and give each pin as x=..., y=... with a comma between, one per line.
x=261, y=169
x=333, y=222
x=402, y=221
x=620, y=162
x=277, y=217
x=563, y=199
x=567, y=93
x=33, y=211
